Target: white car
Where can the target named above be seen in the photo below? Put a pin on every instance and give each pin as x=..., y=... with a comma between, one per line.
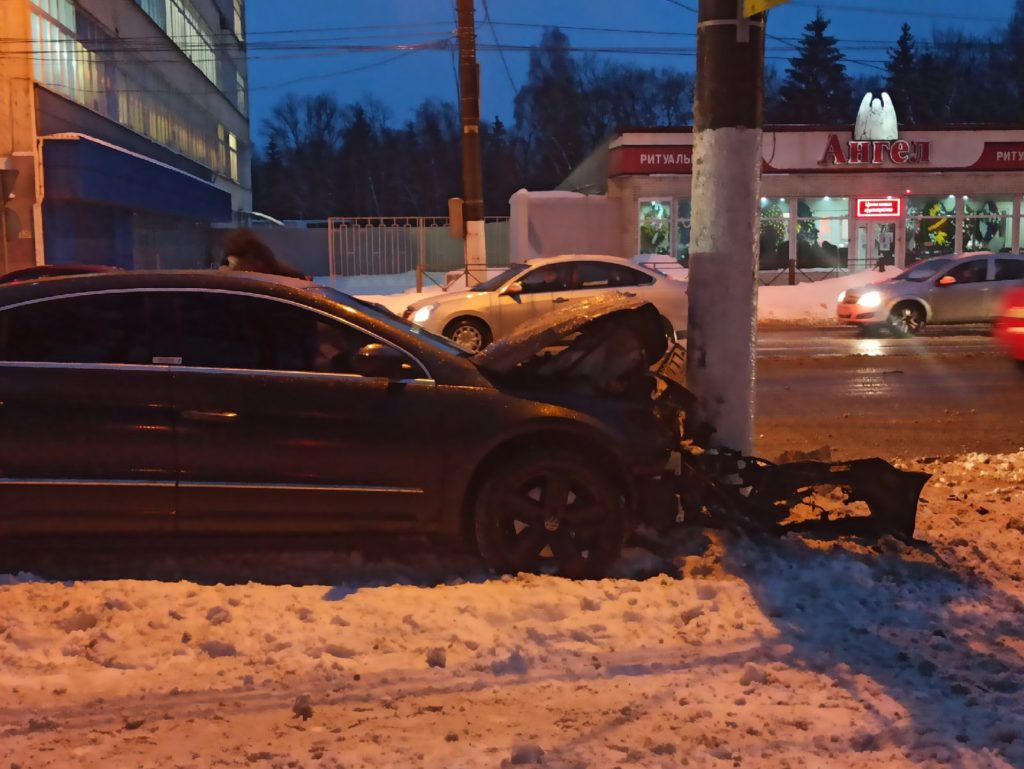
x=495, y=307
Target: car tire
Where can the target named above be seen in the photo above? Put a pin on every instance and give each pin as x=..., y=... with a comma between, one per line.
x=906, y=319
x=547, y=511
x=471, y=333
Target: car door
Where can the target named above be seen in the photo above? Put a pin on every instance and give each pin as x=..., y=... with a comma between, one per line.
x=588, y=279
x=538, y=286
x=86, y=440
x=965, y=299
x=276, y=432
x=1009, y=274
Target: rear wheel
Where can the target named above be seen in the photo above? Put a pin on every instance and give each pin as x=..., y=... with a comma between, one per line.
x=550, y=511
x=906, y=319
x=471, y=333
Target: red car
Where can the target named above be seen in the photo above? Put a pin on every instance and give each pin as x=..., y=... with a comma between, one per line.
x=53, y=271
x=1009, y=328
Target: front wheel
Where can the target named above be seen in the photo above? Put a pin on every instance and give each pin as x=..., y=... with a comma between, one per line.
x=906, y=319
x=550, y=511
x=471, y=333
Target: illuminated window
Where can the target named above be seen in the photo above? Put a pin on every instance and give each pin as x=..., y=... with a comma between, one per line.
x=931, y=226
x=823, y=232
x=239, y=19
x=233, y=156
x=987, y=223
x=655, y=227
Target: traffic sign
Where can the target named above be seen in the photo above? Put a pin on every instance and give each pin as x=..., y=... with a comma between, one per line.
x=754, y=7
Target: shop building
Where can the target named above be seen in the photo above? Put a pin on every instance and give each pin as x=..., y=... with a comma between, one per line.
x=833, y=198
x=124, y=129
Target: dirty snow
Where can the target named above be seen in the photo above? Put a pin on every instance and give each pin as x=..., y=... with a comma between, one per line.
x=718, y=652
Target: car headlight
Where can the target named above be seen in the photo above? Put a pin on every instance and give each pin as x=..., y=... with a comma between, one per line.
x=842, y=296
x=870, y=299
x=423, y=313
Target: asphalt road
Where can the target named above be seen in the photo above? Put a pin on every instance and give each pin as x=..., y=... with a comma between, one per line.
x=801, y=341
x=950, y=391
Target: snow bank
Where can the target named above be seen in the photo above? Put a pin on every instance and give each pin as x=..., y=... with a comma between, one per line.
x=720, y=651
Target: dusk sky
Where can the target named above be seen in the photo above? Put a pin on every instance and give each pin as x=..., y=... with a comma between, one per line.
x=305, y=46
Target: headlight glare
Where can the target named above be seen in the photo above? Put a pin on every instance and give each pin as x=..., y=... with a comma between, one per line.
x=423, y=313
x=842, y=296
x=870, y=299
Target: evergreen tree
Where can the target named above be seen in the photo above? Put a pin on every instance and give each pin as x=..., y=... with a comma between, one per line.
x=817, y=89
x=1015, y=56
x=904, y=78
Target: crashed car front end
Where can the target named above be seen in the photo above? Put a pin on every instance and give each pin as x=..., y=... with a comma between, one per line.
x=616, y=349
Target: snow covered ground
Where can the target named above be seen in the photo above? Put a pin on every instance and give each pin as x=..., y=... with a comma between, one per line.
x=725, y=652
x=813, y=302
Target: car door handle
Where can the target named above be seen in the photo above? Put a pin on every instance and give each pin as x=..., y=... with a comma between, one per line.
x=559, y=299
x=209, y=416
x=628, y=293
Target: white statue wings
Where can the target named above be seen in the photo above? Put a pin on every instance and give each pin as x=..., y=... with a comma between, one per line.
x=876, y=119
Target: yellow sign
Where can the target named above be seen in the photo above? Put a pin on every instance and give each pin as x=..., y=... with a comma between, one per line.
x=754, y=7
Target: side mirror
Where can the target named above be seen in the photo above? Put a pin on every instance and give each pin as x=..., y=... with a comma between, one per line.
x=947, y=280
x=379, y=360
x=512, y=289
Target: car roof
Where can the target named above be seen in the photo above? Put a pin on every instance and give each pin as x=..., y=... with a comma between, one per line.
x=252, y=282
x=540, y=261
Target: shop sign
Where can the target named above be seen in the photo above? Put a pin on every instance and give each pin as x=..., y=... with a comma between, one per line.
x=856, y=153
x=651, y=160
x=875, y=139
x=879, y=208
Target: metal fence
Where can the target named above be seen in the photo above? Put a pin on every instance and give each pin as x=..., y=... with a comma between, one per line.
x=392, y=245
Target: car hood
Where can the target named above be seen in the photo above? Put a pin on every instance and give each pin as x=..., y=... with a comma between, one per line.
x=451, y=297
x=597, y=324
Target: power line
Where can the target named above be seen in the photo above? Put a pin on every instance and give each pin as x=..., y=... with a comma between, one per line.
x=487, y=15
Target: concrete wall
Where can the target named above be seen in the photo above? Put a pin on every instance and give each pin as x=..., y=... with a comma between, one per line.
x=552, y=223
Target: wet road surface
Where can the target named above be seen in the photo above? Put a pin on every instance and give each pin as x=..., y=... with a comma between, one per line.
x=940, y=394
x=800, y=341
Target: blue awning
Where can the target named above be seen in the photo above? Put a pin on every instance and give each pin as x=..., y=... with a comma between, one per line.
x=76, y=167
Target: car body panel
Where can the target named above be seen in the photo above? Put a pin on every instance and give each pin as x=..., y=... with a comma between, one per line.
x=253, y=450
x=503, y=310
x=1009, y=326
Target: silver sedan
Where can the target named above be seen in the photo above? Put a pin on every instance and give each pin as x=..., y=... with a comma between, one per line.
x=525, y=291
x=965, y=288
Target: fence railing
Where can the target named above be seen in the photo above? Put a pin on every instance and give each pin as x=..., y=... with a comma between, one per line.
x=393, y=245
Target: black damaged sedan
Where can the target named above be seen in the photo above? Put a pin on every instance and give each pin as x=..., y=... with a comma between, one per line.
x=236, y=403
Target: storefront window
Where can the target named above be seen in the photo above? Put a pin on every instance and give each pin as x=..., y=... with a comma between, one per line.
x=656, y=227
x=987, y=223
x=774, y=233
x=683, y=231
x=823, y=232
x=931, y=226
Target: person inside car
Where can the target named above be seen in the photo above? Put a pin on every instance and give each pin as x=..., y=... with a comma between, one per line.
x=246, y=251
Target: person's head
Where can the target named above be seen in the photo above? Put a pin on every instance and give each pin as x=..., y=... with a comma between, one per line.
x=244, y=250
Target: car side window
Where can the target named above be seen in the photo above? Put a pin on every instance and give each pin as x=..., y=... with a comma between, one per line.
x=974, y=271
x=96, y=328
x=1009, y=269
x=244, y=332
x=552, y=277
x=592, y=275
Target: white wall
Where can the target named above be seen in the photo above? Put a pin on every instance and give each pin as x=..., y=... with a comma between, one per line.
x=552, y=223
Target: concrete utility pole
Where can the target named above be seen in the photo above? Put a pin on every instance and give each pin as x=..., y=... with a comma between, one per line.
x=472, y=176
x=728, y=115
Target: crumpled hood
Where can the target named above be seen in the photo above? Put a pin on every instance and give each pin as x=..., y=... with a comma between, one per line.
x=551, y=329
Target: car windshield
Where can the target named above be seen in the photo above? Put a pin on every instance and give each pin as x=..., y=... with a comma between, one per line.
x=924, y=270
x=381, y=313
x=500, y=280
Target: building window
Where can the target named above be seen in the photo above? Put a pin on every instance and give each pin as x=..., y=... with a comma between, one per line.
x=987, y=223
x=683, y=231
x=774, y=233
x=233, y=156
x=240, y=91
x=239, y=25
x=823, y=232
x=656, y=227
x=931, y=226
